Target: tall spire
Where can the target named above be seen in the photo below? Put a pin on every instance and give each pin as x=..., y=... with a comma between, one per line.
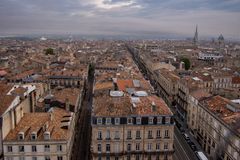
x=195, y=39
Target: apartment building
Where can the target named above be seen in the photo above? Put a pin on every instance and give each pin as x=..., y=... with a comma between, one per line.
x=41, y=136
x=218, y=129
x=194, y=98
x=167, y=84
x=131, y=127
x=15, y=102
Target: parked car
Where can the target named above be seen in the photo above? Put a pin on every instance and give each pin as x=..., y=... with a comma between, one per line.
x=186, y=136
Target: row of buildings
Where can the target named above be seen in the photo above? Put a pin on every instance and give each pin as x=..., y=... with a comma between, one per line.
x=205, y=99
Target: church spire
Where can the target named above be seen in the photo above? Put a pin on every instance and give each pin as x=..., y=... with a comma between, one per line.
x=195, y=39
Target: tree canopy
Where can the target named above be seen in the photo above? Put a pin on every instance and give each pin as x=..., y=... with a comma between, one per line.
x=49, y=51
x=187, y=63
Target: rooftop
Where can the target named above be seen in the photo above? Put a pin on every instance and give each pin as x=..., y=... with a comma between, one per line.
x=225, y=110
x=38, y=122
x=127, y=106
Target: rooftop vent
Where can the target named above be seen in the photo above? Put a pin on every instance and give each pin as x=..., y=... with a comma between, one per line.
x=116, y=93
x=141, y=94
x=153, y=106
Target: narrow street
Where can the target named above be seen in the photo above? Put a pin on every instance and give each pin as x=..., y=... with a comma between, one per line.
x=82, y=142
x=182, y=149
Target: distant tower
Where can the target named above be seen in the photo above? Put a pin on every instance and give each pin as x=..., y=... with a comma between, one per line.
x=195, y=39
x=221, y=41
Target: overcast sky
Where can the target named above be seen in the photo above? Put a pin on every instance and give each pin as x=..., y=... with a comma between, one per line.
x=121, y=17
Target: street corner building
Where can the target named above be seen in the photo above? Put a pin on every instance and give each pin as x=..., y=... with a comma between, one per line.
x=46, y=135
x=131, y=126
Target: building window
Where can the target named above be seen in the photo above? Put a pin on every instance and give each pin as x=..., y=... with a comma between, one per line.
x=158, y=134
x=116, y=158
x=108, y=135
x=21, y=158
x=59, y=158
x=34, y=158
x=129, y=134
x=9, y=148
x=47, y=148
x=117, y=121
x=138, y=134
x=21, y=148
x=21, y=136
x=165, y=157
x=137, y=146
x=107, y=158
x=158, y=146
x=137, y=157
x=99, y=135
x=33, y=136
x=34, y=148
x=167, y=120
x=157, y=157
x=165, y=146
x=99, y=121
x=129, y=147
x=149, y=146
x=149, y=157
x=47, y=158
x=159, y=120
x=117, y=136
x=99, y=147
x=150, y=120
x=128, y=157
x=150, y=134
x=59, y=148
x=138, y=120
x=108, y=121
x=46, y=135
x=108, y=149
x=129, y=121
x=166, y=135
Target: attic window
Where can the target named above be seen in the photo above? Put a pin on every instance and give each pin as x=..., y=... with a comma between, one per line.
x=150, y=120
x=33, y=136
x=108, y=121
x=99, y=121
x=46, y=135
x=129, y=121
x=20, y=136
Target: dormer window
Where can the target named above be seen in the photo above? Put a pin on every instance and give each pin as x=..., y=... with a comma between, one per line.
x=20, y=136
x=138, y=120
x=150, y=120
x=117, y=121
x=108, y=121
x=167, y=120
x=33, y=136
x=129, y=121
x=99, y=121
x=159, y=120
x=46, y=135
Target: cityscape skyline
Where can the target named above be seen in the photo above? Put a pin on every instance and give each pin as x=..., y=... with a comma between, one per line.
x=114, y=18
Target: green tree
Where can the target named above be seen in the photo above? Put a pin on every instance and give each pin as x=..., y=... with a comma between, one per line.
x=49, y=51
x=187, y=63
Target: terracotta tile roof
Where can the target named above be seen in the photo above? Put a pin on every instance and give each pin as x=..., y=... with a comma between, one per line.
x=199, y=94
x=70, y=94
x=5, y=99
x=123, y=106
x=36, y=121
x=217, y=105
x=123, y=84
x=236, y=80
x=103, y=86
